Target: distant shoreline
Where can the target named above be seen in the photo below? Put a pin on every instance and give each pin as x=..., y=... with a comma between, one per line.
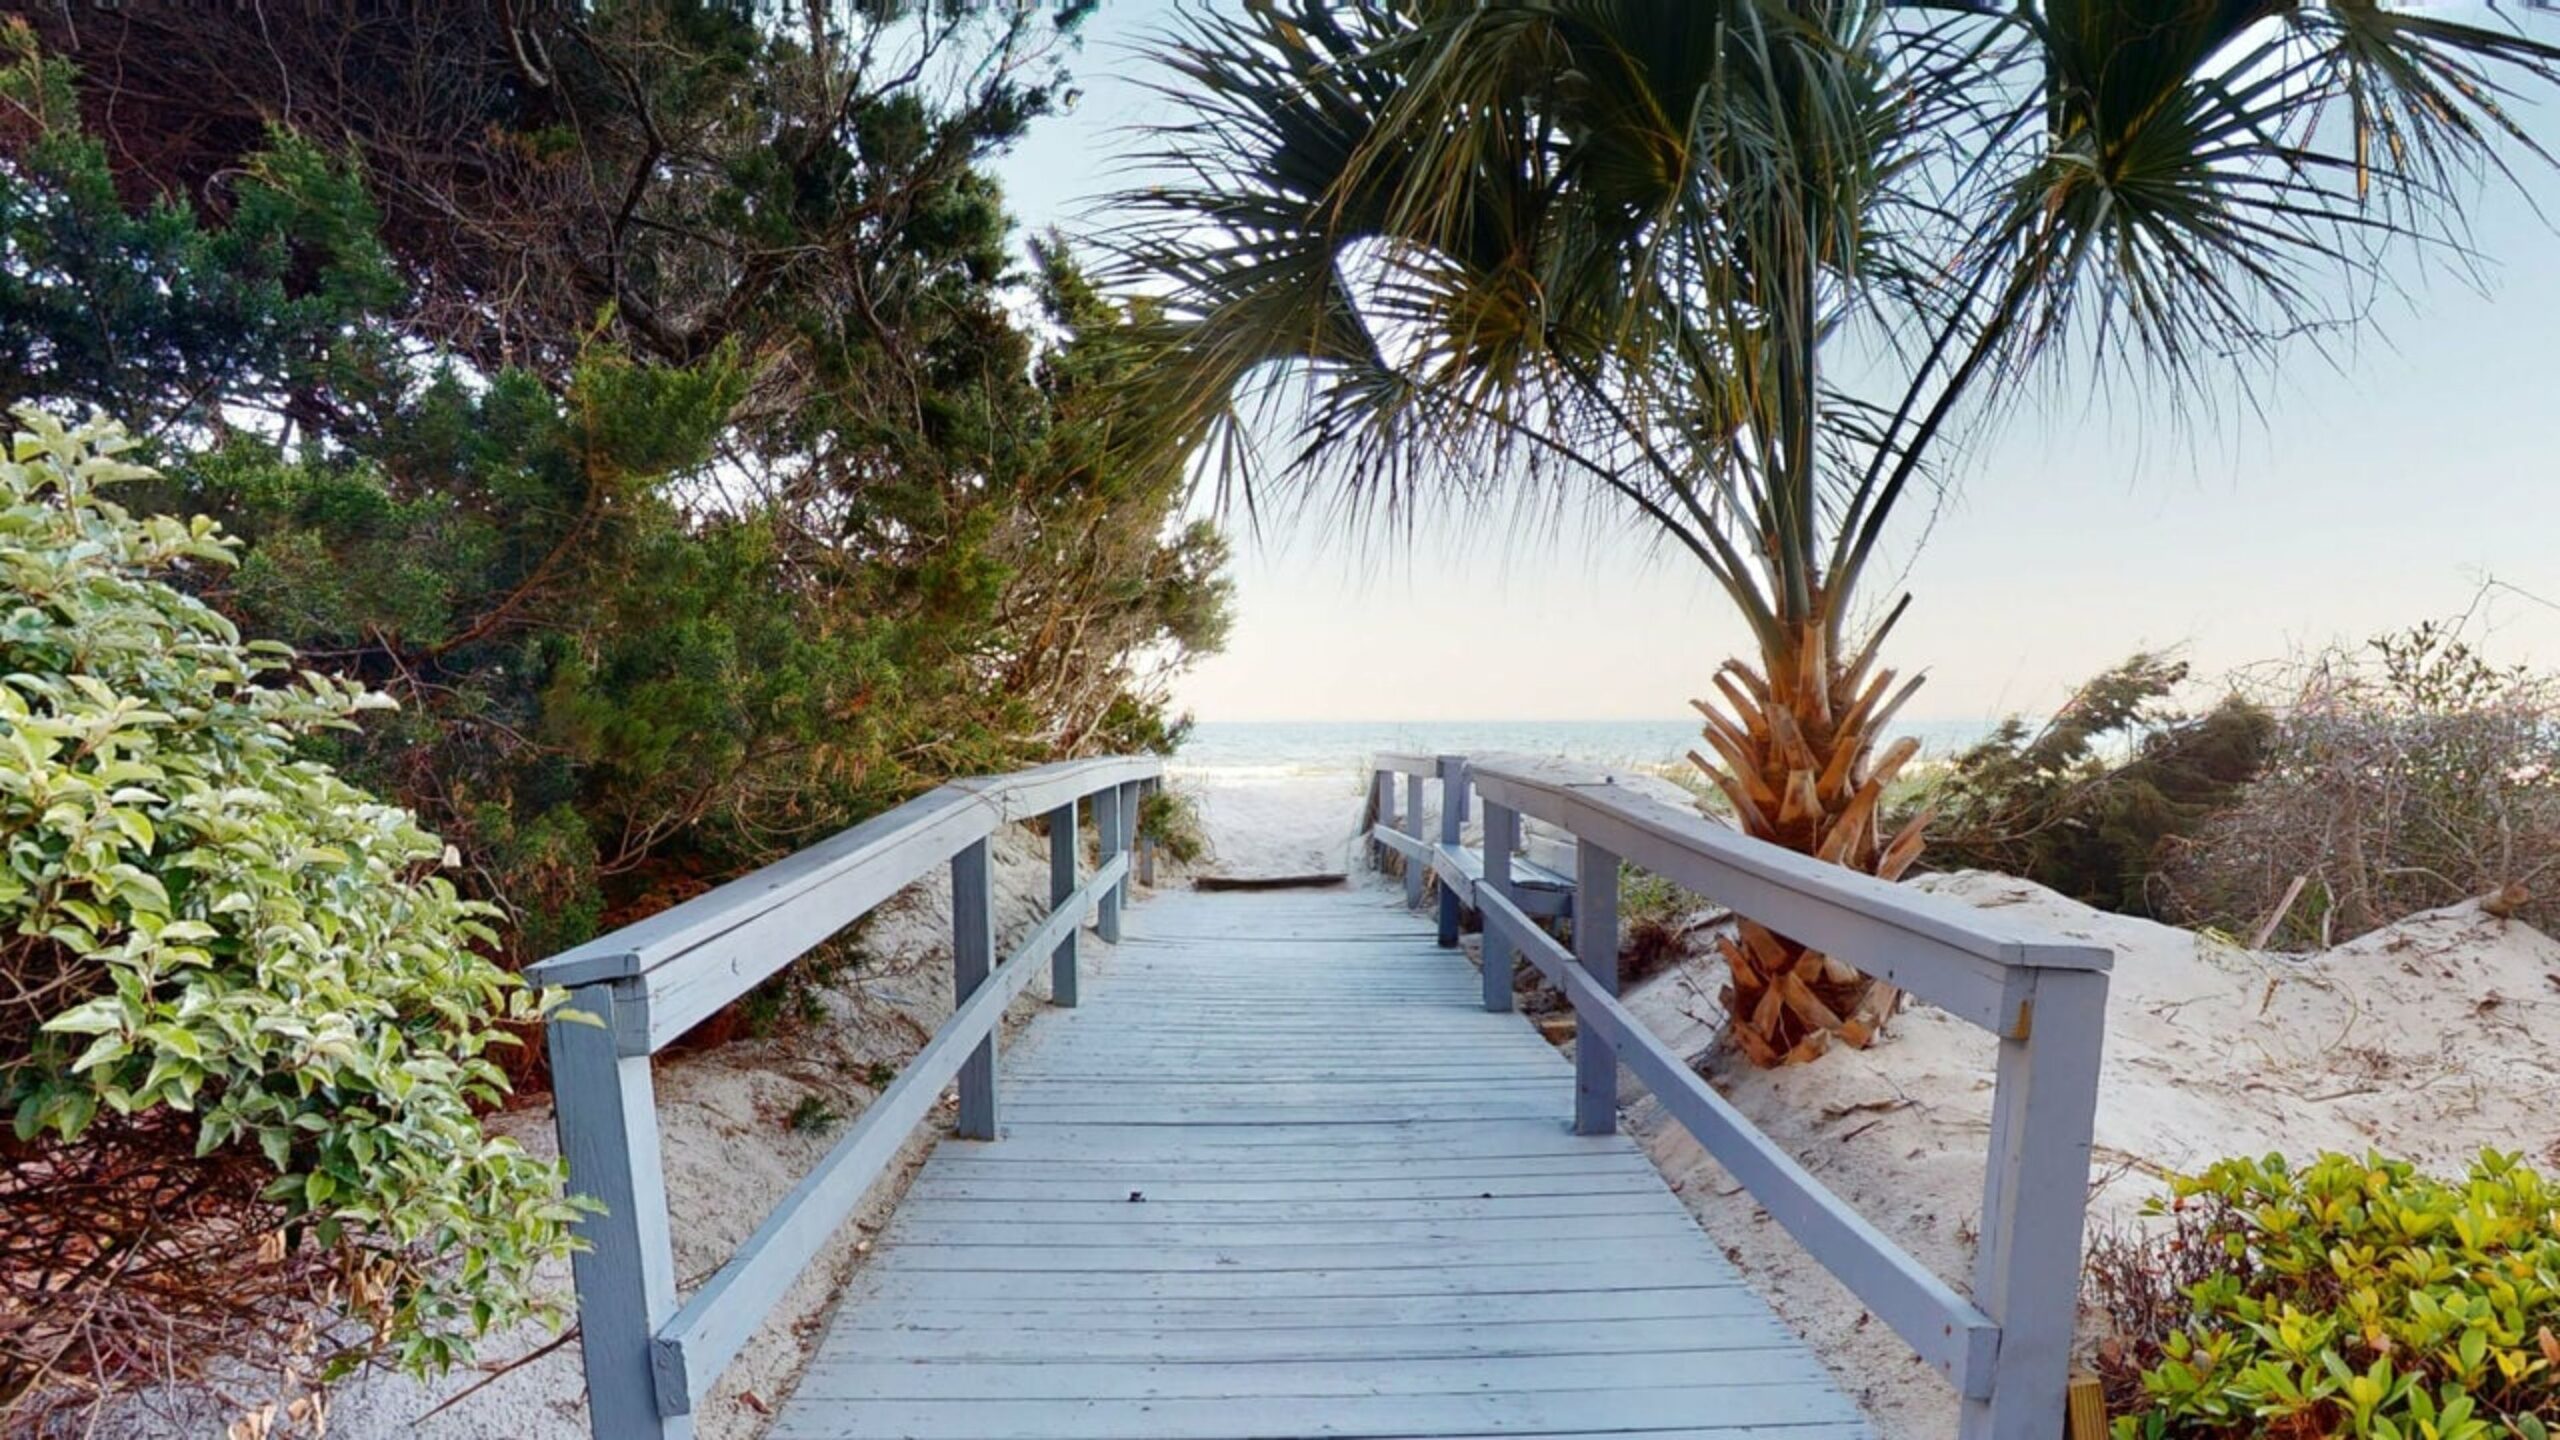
x=1281, y=747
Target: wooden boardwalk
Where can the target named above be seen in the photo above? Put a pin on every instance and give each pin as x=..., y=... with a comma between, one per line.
x=1281, y=1175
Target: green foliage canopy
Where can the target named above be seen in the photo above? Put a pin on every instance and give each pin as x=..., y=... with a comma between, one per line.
x=662, y=422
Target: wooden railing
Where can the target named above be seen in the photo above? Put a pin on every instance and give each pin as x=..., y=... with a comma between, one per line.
x=652, y=1356
x=2006, y=1349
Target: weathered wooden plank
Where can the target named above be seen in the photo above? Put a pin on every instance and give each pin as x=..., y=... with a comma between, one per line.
x=1255, y=1069
x=1157, y=1087
x=1034, y=1112
x=1484, y=1187
x=1304, y=1319
x=1528, y=1278
x=1450, y=1210
x=950, y=1339
x=1279, y=1167
x=1474, y=1257
x=1251, y=1238
x=1774, y=1362
x=1216, y=1143
x=1738, y=1406
x=1731, y=1319
x=1294, y=1166
x=1381, y=1134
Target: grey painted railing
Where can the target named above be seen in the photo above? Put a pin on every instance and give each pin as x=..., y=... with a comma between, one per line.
x=2007, y=1348
x=652, y=1356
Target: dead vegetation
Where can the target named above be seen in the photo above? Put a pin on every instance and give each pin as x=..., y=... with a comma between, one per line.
x=2406, y=775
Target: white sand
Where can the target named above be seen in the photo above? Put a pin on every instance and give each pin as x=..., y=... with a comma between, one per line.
x=1274, y=821
x=2420, y=1040
x=2428, y=1040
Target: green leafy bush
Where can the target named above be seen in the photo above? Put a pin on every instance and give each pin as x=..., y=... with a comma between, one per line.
x=213, y=948
x=2346, y=1298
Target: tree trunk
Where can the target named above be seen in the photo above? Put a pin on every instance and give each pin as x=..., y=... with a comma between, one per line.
x=1795, y=752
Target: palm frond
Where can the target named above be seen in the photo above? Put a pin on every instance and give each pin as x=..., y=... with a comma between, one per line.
x=1450, y=246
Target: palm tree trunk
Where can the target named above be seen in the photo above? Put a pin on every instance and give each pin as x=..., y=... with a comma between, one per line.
x=1795, y=744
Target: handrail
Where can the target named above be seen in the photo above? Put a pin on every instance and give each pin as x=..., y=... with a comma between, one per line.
x=2006, y=1350
x=650, y=1359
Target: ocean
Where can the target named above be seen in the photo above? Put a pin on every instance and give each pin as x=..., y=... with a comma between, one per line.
x=1300, y=747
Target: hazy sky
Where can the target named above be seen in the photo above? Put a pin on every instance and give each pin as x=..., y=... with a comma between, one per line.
x=2372, y=494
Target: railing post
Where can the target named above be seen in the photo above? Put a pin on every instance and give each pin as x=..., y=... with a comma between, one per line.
x=1501, y=837
x=1453, y=820
x=1382, y=794
x=1106, y=841
x=606, y=1113
x=2026, y=1271
x=1129, y=826
x=1146, y=842
x=1413, y=869
x=1062, y=888
x=973, y=950
x=1595, y=949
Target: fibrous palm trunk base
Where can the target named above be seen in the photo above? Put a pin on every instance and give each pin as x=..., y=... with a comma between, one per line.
x=1796, y=755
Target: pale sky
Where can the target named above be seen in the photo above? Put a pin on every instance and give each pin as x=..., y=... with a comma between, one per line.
x=2371, y=495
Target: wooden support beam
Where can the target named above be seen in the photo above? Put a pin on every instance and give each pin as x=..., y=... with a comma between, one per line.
x=2026, y=1270
x=1107, y=843
x=1413, y=873
x=1146, y=842
x=1453, y=819
x=1501, y=837
x=1595, y=949
x=1130, y=816
x=607, y=1118
x=973, y=953
x=1062, y=888
x=1382, y=792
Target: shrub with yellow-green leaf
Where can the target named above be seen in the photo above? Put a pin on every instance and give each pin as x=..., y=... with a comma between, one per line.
x=2346, y=1297
x=212, y=944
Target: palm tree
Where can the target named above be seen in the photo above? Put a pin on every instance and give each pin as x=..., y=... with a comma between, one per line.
x=1750, y=267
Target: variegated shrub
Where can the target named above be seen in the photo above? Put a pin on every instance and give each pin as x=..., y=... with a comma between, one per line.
x=207, y=934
